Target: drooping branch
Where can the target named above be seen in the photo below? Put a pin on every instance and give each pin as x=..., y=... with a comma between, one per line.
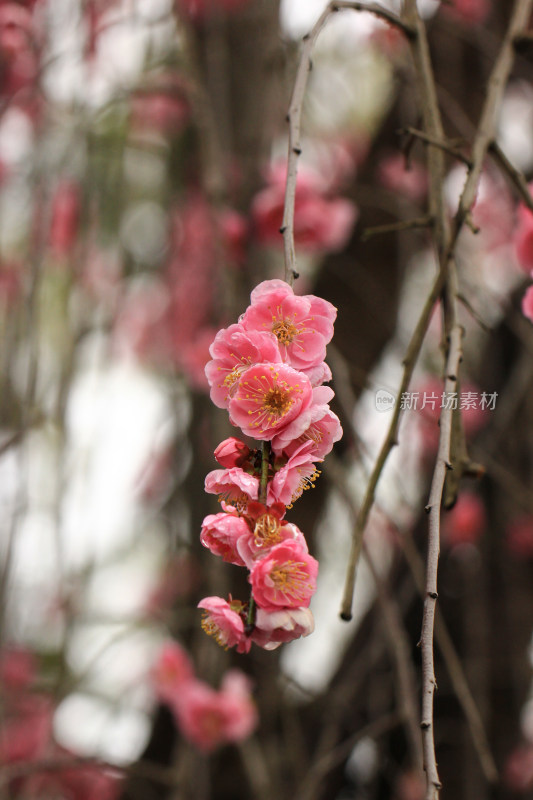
x=294, y=116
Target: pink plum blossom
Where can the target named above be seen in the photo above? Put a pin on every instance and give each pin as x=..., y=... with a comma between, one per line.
x=285, y=578
x=272, y=628
x=209, y=718
x=232, y=452
x=26, y=731
x=233, y=486
x=297, y=475
x=65, y=218
x=233, y=351
x=471, y=12
x=223, y=621
x=303, y=325
x=221, y=532
x=17, y=668
x=267, y=530
x=400, y=177
x=321, y=222
x=518, y=771
x=171, y=671
x=317, y=424
x=523, y=236
x=527, y=304
x=199, y=10
x=519, y=535
x=465, y=522
x=268, y=397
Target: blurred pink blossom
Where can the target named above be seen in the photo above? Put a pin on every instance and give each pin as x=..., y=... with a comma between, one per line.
x=519, y=536
x=409, y=179
x=471, y=12
x=527, y=304
x=465, y=522
x=209, y=718
x=321, y=222
x=171, y=671
x=198, y=10
x=518, y=771
x=17, y=668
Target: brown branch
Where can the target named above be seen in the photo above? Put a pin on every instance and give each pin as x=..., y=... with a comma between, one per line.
x=397, y=637
x=516, y=177
x=389, y=442
x=294, y=118
x=454, y=668
x=442, y=144
x=394, y=227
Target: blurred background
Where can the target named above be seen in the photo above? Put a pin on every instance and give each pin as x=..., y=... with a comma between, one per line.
x=142, y=177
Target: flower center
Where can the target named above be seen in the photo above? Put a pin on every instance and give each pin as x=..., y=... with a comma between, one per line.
x=285, y=331
x=211, y=628
x=277, y=402
x=266, y=531
x=291, y=579
x=238, y=501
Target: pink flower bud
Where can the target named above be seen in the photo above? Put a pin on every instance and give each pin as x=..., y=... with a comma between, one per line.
x=232, y=452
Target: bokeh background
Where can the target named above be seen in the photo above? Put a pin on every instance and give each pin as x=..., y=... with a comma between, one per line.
x=142, y=174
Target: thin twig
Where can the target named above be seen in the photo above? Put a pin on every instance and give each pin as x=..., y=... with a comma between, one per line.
x=335, y=756
x=394, y=227
x=397, y=637
x=517, y=178
x=454, y=668
x=389, y=442
x=294, y=117
x=442, y=144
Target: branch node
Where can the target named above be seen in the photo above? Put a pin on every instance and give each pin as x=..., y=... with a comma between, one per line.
x=346, y=617
x=427, y=509
x=433, y=595
x=297, y=151
x=283, y=229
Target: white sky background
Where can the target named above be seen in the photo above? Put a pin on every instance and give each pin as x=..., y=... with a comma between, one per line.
x=116, y=412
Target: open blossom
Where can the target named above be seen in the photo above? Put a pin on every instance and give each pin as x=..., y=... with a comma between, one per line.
x=221, y=532
x=171, y=671
x=321, y=222
x=317, y=424
x=223, y=621
x=297, y=475
x=209, y=718
x=272, y=628
x=285, y=578
x=234, y=487
x=268, y=398
x=302, y=325
x=267, y=529
x=233, y=351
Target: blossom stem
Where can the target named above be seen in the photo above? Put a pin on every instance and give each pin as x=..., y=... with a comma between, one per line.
x=263, y=486
x=265, y=463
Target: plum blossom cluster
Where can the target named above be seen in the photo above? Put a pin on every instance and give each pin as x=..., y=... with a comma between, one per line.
x=206, y=717
x=268, y=372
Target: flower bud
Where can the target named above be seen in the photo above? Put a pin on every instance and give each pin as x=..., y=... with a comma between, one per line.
x=232, y=453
